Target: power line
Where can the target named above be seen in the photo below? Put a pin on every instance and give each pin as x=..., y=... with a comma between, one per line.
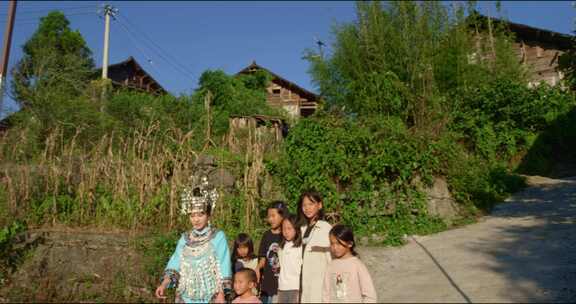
x=161, y=51
x=177, y=68
x=174, y=60
x=17, y=21
x=20, y=12
x=133, y=39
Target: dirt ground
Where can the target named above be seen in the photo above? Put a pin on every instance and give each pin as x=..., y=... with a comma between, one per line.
x=525, y=251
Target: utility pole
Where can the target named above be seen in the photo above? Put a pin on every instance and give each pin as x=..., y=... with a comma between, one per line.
x=108, y=11
x=6, y=50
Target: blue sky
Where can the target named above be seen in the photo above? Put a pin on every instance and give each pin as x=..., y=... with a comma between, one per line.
x=227, y=35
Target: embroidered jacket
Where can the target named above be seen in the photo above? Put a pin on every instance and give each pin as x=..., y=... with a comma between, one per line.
x=200, y=266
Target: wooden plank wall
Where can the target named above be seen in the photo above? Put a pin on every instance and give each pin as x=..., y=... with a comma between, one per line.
x=286, y=98
x=542, y=60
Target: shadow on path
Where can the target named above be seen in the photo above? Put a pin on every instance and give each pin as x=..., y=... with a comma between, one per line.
x=444, y=272
x=537, y=251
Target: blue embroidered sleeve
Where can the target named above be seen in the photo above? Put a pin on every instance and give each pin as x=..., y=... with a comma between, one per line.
x=172, y=270
x=223, y=255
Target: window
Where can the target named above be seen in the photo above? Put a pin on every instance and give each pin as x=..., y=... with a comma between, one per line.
x=276, y=91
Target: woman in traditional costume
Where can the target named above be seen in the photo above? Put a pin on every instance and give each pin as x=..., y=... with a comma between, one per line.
x=200, y=266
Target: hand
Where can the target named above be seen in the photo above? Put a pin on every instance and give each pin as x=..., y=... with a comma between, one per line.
x=160, y=292
x=220, y=298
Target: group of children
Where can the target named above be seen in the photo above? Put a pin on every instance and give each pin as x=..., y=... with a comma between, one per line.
x=301, y=259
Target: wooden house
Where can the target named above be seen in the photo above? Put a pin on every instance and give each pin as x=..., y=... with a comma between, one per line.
x=130, y=74
x=297, y=101
x=537, y=48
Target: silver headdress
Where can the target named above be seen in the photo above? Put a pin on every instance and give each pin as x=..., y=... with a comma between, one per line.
x=198, y=196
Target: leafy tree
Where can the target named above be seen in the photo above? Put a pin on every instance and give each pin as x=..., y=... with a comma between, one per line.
x=567, y=63
x=56, y=64
x=231, y=95
x=405, y=58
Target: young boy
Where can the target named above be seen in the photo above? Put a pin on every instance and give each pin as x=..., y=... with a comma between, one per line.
x=268, y=252
x=244, y=283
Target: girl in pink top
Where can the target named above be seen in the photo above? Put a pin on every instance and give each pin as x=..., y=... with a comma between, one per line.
x=346, y=279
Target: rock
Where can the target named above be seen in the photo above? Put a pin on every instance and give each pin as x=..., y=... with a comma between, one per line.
x=269, y=191
x=222, y=179
x=440, y=202
x=205, y=160
x=378, y=239
x=364, y=240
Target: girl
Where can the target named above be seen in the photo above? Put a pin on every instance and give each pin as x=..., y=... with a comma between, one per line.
x=200, y=265
x=346, y=279
x=243, y=254
x=290, y=257
x=268, y=252
x=316, y=246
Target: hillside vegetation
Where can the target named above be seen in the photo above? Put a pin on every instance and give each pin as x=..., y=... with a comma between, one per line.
x=411, y=91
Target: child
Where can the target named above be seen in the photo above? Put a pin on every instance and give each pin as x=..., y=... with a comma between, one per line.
x=346, y=279
x=290, y=257
x=243, y=254
x=200, y=265
x=244, y=283
x=316, y=246
x=268, y=252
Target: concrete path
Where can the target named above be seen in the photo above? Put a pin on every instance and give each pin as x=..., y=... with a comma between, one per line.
x=525, y=251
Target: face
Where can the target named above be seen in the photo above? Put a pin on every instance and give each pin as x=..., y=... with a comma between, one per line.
x=288, y=230
x=337, y=248
x=199, y=220
x=242, y=251
x=242, y=284
x=274, y=218
x=310, y=208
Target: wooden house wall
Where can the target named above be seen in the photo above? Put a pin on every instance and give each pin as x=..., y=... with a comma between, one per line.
x=541, y=59
x=289, y=100
x=283, y=94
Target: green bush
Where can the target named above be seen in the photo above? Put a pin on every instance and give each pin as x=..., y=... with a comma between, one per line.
x=500, y=120
x=135, y=110
x=552, y=148
x=231, y=95
x=364, y=168
x=10, y=258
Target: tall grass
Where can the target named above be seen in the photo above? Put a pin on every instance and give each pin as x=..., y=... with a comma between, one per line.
x=130, y=181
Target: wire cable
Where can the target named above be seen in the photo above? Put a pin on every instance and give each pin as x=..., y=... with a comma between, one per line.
x=18, y=20
x=171, y=58
x=175, y=65
x=174, y=60
x=135, y=43
x=43, y=11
